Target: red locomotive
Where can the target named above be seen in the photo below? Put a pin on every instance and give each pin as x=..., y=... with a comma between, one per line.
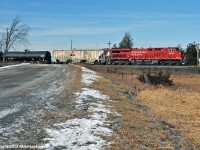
x=163, y=55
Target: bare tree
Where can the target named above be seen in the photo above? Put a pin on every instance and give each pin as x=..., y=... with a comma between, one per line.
x=16, y=34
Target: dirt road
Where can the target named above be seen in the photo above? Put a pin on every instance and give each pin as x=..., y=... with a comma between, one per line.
x=25, y=92
x=52, y=107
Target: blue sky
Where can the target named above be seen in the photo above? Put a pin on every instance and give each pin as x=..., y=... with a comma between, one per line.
x=93, y=23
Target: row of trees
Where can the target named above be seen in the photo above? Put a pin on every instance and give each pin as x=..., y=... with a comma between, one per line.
x=16, y=34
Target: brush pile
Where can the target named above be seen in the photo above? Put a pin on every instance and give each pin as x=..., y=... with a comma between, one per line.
x=156, y=77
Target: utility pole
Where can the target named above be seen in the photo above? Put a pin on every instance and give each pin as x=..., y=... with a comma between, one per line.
x=109, y=44
x=71, y=44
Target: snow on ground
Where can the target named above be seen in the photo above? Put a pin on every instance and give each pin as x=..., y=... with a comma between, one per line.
x=83, y=133
x=37, y=102
x=10, y=110
x=13, y=66
x=88, y=76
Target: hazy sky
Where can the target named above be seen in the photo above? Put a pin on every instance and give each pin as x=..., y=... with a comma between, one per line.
x=93, y=23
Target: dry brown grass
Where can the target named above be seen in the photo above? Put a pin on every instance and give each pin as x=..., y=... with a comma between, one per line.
x=167, y=115
x=74, y=85
x=134, y=127
x=73, y=81
x=119, y=105
x=179, y=107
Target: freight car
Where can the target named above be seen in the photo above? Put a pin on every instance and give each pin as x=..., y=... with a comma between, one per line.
x=77, y=55
x=29, y=56
x=159, y=56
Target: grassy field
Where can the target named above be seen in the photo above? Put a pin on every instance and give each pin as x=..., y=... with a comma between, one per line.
x=153, y=117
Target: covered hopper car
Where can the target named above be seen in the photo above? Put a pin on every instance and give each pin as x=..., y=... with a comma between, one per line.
x=29, y=56
x=77, y=55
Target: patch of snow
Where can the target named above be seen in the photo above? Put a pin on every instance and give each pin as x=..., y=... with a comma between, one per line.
x=14, y=128
x=83, y=133
x=78, y=134
x=10, y=110
x=13, y=66
x=86, y=92
x=38, y=100
x=89, y=76
x=99, y=108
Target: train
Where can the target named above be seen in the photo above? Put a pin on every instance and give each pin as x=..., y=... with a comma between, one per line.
x=143, y=56
x=113, y=56
x=43, y=57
